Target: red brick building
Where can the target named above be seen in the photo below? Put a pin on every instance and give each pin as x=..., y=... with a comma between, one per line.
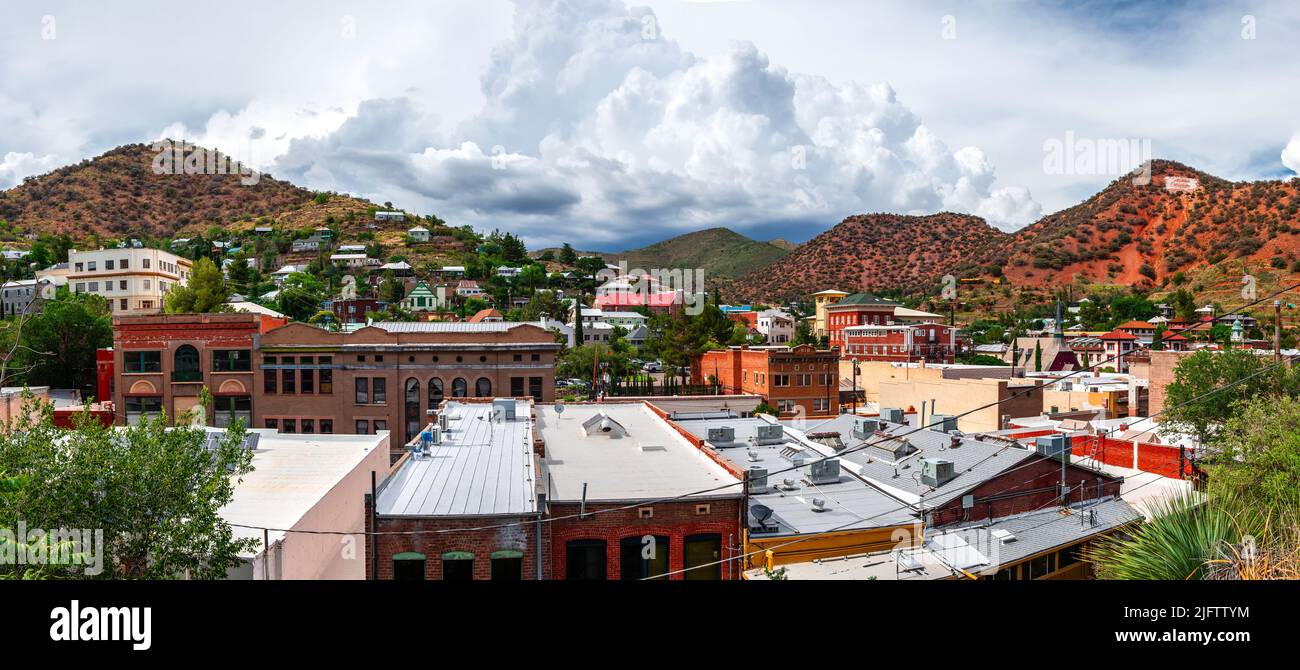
x=929, y=342
x=858, y=309
x=570, y=511
x=790, y=379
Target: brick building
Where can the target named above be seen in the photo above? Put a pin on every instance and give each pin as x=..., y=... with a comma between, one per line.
x=161, y=363
x=859, y=309
x=298, y=378
x=930, y=342
x=790, y=379
x=550, y=501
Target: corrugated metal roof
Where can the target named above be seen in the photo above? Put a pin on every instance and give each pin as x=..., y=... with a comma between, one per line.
x=447, y=326
x=481, y=468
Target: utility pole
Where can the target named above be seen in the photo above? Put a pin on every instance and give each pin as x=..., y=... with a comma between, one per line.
x=1277, y=331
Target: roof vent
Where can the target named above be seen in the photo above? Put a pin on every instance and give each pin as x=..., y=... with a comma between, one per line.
x=1003, y=535
x=936, y=472
x=752, y=455
x=601, y=424
x=819, y=505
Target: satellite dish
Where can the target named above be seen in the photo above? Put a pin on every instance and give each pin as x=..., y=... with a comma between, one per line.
x=761, y=513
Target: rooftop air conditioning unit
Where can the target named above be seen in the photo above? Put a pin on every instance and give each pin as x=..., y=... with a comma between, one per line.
x=769, y=434
x=826, y=471
x=944, y=423
x=891, y=414
x=936, y=472
x=722, y=435
x=442, y=421
x=1053, y=446
x=865, y=428
x=503, y=409
x=757, y=479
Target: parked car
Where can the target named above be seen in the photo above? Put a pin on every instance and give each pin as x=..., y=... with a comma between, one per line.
x=653, y=366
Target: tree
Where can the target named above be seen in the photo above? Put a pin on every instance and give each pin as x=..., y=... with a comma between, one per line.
x=390, y=290
x=205, y=292
x=1256, y=460
x=58, y=344
x=301, y=296
x=155, y=492
x=567, y=255
x=1239, y=373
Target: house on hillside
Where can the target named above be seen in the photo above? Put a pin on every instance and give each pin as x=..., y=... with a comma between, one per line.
x=418, y=234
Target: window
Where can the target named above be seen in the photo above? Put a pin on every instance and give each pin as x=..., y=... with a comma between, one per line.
x=507, y=565
x=516, y=387
x=232, y=360
x=584, y=559
x=379, y=386
x=122, y=304
x=535, y=388
x=290, y=426
x=327, y=426
x=380, y=425
x=780, y=380
x=126, y=264
x=1071, y=555
x=273, y=424
x=287, y=378
x=308, y=426
x=701, y=556
x=457, y=566
x=435, y=393
x=185, y=364
x=143, y=361
x=306, y=377
x=269, y=376
x=144, y=263
x=363, y=392
x=108, y=265
x=643, y=556
x=412, y=408
x=326, y=386
x=226, y=410
x=459, y=388
x=363, y=427
x=408, y=566
x=483, y=387
x=138, y=406
x=518, y=358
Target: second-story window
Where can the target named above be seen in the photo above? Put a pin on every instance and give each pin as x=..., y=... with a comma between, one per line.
x=232, y=360
x=142, y=361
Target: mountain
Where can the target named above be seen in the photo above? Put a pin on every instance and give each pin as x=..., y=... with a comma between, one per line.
x=119, y=193
x=877, y=252
x=722, y=253
x=1131, y=234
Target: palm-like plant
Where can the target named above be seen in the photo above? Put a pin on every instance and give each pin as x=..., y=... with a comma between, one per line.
x=1186, y=538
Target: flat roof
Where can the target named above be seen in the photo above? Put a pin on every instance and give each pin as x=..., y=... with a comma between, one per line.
x=848, y=504
x=645, y=460
x=291, y=474
x=481, y=468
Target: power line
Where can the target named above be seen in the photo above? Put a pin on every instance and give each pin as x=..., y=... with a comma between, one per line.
x=864, y=445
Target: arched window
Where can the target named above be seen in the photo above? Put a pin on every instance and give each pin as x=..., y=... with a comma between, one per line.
x=408, y=566
x=412, y=408
x=435, y=392
x=185, y=364
x=483, y=387
x=459, y=388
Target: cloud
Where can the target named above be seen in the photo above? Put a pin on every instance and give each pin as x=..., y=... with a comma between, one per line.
x=17, y=166
x=598, y=128
x=1291, y=154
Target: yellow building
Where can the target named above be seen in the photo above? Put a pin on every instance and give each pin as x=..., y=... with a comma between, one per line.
x=821, y=300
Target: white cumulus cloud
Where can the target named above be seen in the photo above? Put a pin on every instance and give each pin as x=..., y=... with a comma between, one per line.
x=1291, y=154
x=597, y=128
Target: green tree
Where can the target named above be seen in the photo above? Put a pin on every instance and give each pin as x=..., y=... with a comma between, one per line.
x=1192, y=410
x=567, y=255
x=1256, y=459
x=155, y=492
x=57, y=345
x=390, y=290
x=301, y=296
x=205, y=292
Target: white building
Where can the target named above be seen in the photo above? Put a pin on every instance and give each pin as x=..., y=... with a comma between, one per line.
x=776, y=326
x=133, y=281
x=305, y=483
x=349, y=261
x=418, y=234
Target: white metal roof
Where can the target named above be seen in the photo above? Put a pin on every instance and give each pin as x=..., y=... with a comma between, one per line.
x=481, y=468
x=651, y=461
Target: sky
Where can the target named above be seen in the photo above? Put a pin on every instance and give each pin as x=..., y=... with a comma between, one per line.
x=611, y=125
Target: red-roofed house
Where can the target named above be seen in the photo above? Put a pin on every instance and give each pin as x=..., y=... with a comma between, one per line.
x=1117, y=345
x=666, y=301
x=486, y=315
x=1142, y=330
